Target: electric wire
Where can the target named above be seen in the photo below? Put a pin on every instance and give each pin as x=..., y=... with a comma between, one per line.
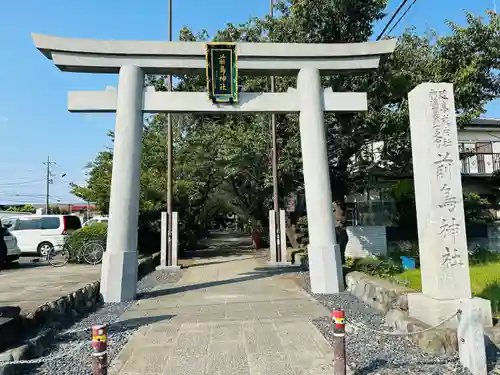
x=402, y=16
x=392, y=19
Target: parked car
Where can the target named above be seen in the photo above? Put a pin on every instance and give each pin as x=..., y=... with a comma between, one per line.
x=13, y=251
x=41, y=233
x=96, y=219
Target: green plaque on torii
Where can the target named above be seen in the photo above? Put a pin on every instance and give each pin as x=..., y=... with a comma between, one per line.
x=222, y=72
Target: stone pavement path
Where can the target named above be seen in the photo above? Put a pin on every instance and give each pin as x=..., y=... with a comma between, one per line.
x=227, y=316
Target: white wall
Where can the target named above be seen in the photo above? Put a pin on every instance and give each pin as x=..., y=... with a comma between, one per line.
x=366, y=241
x=486, y=135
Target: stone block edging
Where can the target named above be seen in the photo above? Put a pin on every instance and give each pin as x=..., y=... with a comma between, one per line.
x=63, y=309
x=380, y=294
x=391, y=299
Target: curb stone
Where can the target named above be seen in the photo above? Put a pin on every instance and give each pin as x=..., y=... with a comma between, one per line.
x=66, y=309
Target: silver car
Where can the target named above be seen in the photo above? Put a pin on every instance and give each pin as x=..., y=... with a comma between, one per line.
x=13, y=251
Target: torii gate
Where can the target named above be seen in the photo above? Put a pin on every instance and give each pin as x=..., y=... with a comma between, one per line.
x=133, y=59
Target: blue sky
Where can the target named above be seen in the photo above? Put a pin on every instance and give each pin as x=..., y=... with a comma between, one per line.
x=34, y=121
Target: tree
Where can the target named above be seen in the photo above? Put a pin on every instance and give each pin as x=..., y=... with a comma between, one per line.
x=226, y=158
x=26, y=208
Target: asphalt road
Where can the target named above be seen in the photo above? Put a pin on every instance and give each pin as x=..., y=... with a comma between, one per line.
x=25, y=262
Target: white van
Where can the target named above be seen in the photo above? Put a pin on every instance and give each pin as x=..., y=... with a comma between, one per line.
x=40, y=233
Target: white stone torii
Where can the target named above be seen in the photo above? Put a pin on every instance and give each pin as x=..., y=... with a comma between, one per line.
x=133, y=59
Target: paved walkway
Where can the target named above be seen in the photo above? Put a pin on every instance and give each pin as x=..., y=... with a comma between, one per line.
x=226, y=316
x=32, y=285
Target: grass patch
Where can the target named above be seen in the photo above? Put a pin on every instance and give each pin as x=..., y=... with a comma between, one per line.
x=484, y=279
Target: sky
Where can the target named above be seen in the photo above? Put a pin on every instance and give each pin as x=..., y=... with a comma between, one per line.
x=34, y=121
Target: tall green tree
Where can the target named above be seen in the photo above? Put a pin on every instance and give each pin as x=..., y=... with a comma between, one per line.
x=226, y=158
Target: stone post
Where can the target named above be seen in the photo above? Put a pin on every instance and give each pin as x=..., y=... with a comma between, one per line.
x=175, y=243
x=284, y=255
x=273, y=245
x=165, y=263
x=272, y=237
x=440, y=212
x=119, y=266
x=163, y=241
x=325, y=267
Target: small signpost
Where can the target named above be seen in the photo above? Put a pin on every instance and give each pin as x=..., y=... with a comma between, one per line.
x=222, y=72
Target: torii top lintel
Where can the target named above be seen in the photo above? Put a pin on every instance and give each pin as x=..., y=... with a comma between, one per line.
x=155, y=57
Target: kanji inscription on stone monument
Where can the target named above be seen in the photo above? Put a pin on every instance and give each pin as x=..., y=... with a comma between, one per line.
x=438, y=191
x=444, y=262
x=451, y=257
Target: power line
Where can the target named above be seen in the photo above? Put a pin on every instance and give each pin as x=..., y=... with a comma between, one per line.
x=21, y=196
x=18, y=179
x=392, y=18
x=402, y=16
x=9, y=184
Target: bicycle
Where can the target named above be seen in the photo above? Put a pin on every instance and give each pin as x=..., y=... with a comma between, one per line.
x=91, y=253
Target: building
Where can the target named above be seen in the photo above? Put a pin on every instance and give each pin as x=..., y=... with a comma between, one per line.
x=479, y=146
x=377, y=223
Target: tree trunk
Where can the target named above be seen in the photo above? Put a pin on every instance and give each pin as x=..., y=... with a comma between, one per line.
x=339, y=205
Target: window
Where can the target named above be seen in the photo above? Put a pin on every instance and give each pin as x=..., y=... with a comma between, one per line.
x=484, y=148
x=50, y=222
x=28, y=224
x=481, y=149
x=72, y=222
x=9, y=223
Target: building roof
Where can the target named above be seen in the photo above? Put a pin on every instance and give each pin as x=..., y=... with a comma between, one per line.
x=484, y=123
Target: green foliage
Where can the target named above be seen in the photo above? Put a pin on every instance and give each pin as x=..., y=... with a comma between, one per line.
x=381, y=266
x=222, y=162
x=404, y=248
x=56, y=210
x=482, y=255
x=476, y=208
x=80, y=237
x=26, y=208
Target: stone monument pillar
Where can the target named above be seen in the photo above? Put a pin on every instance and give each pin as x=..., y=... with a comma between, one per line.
x=119, y=265
x=440, y=211
x=325, y=267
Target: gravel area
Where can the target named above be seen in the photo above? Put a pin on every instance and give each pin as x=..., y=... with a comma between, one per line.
x=369, y=353
x=72, y=350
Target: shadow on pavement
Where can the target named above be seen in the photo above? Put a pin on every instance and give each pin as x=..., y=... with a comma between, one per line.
x=210, y=263
x=222, y=244
x=135, y=323
x=260, y=273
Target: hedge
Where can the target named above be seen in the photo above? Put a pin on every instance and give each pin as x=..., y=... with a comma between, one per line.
x=94, y=232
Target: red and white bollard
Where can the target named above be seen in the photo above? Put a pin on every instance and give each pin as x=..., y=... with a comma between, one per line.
x=100, y=352
x=339, y=361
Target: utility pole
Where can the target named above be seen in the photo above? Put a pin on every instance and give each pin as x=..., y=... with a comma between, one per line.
x=48, y=183
x=274, y=163
x=169, y=152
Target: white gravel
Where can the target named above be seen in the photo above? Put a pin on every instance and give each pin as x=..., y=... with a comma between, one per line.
x=369, y=353
x=72, y=350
